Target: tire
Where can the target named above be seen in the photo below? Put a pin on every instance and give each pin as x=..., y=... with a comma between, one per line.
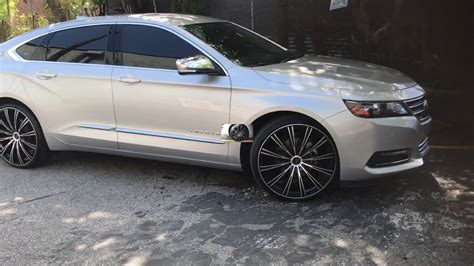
x=294, y=159
x=22, y=143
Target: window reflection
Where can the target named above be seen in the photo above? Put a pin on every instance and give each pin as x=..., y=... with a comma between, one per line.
x=82, y=45
x=150, y=47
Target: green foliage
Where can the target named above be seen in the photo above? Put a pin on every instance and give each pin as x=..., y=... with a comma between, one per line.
x=4, y=9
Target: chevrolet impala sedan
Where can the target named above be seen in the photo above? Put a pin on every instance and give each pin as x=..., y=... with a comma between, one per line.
x=203, y=91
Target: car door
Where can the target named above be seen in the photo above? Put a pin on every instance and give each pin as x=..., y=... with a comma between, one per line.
x=71, y=86
x=159, y=111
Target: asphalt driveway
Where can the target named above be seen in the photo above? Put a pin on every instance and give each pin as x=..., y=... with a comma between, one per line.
x=95, y=209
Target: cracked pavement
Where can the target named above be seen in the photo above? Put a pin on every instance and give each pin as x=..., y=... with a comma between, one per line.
x=96, y=209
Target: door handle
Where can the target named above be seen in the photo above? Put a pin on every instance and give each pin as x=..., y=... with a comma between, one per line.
x=129, y=80
x=46, y=75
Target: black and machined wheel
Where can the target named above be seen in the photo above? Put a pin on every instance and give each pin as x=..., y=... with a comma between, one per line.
x=22, y=143
x=293, y=158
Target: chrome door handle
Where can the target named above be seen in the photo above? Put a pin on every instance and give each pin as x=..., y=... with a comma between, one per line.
x=45, y=76
x=129, y=80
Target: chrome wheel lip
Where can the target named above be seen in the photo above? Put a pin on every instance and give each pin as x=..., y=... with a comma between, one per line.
x=336, y=162
x=14, y=138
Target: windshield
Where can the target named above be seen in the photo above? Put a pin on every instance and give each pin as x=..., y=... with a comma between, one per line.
x=241, y=46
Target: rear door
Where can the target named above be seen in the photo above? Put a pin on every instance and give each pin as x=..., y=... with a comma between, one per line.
x=159, y=111
x=71, y=88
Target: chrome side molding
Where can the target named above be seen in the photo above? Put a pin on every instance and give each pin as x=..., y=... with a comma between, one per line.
x=150, y=133
x=97, y=127
x=166, y=135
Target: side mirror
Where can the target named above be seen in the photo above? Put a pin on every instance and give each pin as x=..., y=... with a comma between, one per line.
x=198, y=64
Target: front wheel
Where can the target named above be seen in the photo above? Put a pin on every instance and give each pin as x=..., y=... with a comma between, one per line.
x=22, y=143
x=292, y=158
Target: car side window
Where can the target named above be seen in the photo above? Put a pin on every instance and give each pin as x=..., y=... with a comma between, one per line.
x=34, y=50
x=86, y=45
x=151, y=47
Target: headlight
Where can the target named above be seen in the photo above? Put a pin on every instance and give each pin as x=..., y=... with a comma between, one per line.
x=376, y=110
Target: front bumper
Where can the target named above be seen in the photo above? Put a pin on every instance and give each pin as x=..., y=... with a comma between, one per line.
x=358, y=139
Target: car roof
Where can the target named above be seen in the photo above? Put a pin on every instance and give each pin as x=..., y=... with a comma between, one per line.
x=165, y=19
x=157, y=18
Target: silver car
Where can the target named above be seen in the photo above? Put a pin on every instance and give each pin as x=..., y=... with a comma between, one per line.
x=203, y=91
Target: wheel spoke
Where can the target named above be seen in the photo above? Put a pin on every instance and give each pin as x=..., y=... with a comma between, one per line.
x=275, y=138
x=273, y=154
x=25, y=151
x=322, y=157
x=307, y=134
x=273, y=166
x=15, y=120
x=12, y=152
x=29, y=145
x=23, y=124
x=320, y=143
x=29, y=134
x=5, y=127
x=291, y=134
x=7, y=117
x=7, y=138
x=312, y=179
x=4, y=150
x=288, y=183
x=5, y=133
x=278, y=177
x=320, y=169
x=20, y=159
x=301, y=183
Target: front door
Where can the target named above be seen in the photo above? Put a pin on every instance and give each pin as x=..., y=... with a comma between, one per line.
x=159, y=111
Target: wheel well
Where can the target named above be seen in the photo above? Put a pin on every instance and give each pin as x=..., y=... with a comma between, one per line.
x=258, y=124
x=6, y=100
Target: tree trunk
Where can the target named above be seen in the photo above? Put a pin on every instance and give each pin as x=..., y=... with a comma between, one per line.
x=8, y=9
x=58, y=12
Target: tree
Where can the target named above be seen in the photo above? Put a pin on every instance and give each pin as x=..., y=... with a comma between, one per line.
x=57, y=10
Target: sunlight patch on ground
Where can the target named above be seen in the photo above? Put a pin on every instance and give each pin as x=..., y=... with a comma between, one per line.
x=104, y=243
x=341, y=243
x=453, y=190
x=137, y=261
x=98, y=215
x=7, y=212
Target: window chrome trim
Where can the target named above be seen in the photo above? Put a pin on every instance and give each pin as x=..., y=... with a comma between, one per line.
x=168, y=136
x=12, y=52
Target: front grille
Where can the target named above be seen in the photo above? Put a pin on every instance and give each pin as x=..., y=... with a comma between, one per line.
x=419, y=108
x=424, y=147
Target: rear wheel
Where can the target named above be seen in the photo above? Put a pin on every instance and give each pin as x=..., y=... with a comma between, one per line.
x=22, y=143
x=293, y=158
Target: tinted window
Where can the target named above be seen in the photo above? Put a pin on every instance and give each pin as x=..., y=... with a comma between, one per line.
x=81, y=45
x=240, y=45
x=151, y=47
x=35, y=49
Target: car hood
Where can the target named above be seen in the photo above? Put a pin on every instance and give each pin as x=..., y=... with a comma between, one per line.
x=336, y=73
